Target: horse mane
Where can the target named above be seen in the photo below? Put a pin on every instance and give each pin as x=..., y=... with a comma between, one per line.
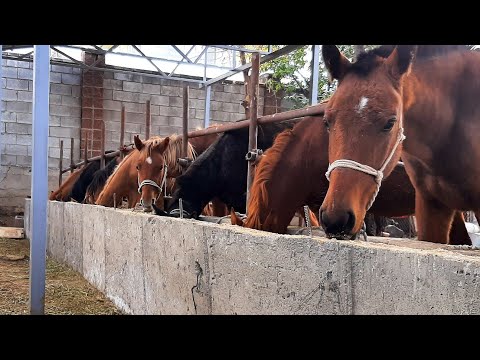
x=367, y=61
x=259, y=197
x=100, y=177
x=174, y=151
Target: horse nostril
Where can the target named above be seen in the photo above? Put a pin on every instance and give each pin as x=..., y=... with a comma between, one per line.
x=323, y=217
x=350, y=222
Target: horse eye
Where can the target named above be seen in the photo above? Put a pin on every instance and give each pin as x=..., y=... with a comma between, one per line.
x=138, y=167
x=389, y=125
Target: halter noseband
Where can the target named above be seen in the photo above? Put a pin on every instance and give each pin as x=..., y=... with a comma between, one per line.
x=378, y=174
x=153, y=183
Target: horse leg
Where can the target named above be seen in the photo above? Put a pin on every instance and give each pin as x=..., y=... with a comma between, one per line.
x=433, y=219
x=458, y=232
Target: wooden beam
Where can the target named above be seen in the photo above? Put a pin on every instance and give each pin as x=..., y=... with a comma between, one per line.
x=11, y=233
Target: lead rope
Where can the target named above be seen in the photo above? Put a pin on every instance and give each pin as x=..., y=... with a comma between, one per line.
x=378, y=174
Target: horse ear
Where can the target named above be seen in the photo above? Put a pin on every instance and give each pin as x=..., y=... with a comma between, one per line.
x=138, y=143
x=235, y=219
x=400, y=60
x=337, y=64
x=163, y=145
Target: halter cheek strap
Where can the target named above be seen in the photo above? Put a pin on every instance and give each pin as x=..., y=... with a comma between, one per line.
x=378, y=174
x=153, y=183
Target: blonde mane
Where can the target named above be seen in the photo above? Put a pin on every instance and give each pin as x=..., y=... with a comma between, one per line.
x=173, y=152
x=259, y=201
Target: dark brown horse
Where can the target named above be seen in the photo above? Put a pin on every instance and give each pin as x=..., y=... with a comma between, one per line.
x=433, y=99
x=291, y=174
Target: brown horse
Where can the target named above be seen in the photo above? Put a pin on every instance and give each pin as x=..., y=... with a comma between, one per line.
x=63, y=193
x=431, y=95
x=124, y=180
x=291, y=174
x=151, y=170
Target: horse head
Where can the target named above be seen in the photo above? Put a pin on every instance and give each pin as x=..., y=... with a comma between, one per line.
x=151, y=170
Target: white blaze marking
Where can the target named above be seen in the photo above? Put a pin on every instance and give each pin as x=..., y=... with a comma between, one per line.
x=149, y=160
x=363, y=102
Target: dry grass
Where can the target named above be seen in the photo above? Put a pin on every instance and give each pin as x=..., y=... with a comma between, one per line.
x=67, y=292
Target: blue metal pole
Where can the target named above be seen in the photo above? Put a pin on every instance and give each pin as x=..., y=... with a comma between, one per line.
x=208, y=92
x=314, y=77
x=41, y=90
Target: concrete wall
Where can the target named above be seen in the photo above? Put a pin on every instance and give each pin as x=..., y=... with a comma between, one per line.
x=72, y=99
x=149, y=265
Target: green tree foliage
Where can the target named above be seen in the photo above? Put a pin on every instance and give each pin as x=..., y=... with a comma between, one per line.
x=285, y=73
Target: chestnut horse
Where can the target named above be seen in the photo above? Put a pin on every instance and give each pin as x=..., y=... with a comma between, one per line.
x=63, y=193
x=291, y=174
x=430, y=95
x=124, y=181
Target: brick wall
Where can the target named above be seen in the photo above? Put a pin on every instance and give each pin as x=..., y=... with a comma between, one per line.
x=166, y=97
x=16, y=130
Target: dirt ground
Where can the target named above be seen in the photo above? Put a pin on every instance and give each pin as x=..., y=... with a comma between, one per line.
x=67, y=292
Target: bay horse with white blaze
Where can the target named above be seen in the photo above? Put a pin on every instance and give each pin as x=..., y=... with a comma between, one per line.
x=291, y=174
x=421, y=103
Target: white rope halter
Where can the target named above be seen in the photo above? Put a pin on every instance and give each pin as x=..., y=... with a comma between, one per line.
x=153, y=183
x=378, y=174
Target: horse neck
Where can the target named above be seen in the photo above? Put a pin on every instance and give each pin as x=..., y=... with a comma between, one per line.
x=299, y=160
x=121, y=182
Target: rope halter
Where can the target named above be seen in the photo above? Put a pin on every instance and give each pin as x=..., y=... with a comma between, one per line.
x=153, y=183
x=378, y=174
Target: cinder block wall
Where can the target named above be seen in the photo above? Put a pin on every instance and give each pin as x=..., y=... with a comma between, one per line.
x=80, y=103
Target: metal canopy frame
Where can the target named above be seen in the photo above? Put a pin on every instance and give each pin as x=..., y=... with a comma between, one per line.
x=186, y=58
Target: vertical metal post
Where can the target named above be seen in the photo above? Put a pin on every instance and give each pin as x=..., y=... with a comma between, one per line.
x=122, y=132
x=39, y=188
x=148, y=118
x=314, y=75
x=72, y=163
x=252, y=131
x=205, y=64
x=269, y=48
x=60, y=164
x=186, y=109
x=208, y=93
x=85, y=155
x=1, y=101
x=102, y=147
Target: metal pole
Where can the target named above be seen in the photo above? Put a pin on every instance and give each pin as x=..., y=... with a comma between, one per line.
x=316, y=110
x=60, y=164
x=314, y=75
x=147, y=120
x=1, y=77
x=72, y=163
x=102, y=147
x=85, y=154
x=208, y=93
x=205, y=64
x=252, y=133
x=41, y=87
x=185, y=121
x=122, y=131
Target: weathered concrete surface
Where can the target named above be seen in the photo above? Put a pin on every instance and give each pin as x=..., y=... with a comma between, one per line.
x=93, y=241
x=124, y=271
x=151, y=265
x=172, y=264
